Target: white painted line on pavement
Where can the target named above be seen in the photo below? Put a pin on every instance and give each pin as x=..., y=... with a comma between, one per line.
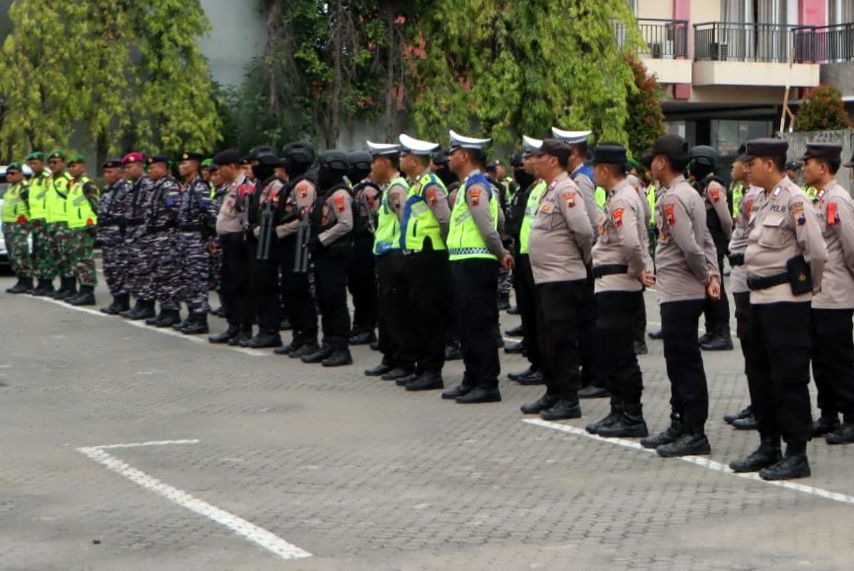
x=150, y=443
x=238, y=525
x=698, y=461
x=164, y=331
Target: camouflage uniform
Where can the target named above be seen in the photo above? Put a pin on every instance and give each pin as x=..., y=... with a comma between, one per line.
x=212, y=244
x=82, y=239
x=137, y=242
x=112, y=227
x=60, y=238
x=41, y=267
x=16, y=229
x=161, y=226
x=196, y=207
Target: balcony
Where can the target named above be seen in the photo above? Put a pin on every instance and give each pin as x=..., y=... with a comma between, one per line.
x=752, y=54
x=665, y=49
x=825, y=44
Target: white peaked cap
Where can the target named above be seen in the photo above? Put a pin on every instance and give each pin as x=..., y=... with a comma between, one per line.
x=416, y=146
x=460, y=141
x=570, y=136
x=383, y=148
x=530, y=144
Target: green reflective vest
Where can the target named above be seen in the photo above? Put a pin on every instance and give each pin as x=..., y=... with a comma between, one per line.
x=79, y=209
x=15, y=208
x=57, y=195
x=39, y=186
x=531, y=208
x=387, y=235
x=601, y=197
x=464, y=239
x=419, y=222
x=737, y=195
x=812, y=192
x=650, y=199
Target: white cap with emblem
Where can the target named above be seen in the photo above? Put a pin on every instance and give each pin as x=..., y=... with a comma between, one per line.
x=416, y=146
x=384, y=149
x=530, y=144
x=461, y=142
x=571, y=137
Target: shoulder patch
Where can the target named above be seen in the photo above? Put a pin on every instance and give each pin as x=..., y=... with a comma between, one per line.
x=340, y=202
x=617, y=217
x=670, y=214
x=715, y=194
x=832, y=213
x=568, y=196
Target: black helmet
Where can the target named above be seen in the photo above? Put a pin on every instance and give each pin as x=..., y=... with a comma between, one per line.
x=256, y=153
x=360, y=165
x=704, y=155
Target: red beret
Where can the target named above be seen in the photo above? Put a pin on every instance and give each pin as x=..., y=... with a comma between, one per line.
x=133, y=157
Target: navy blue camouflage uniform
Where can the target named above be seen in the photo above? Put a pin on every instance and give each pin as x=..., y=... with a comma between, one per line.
x=137, y=242
x=195, y=209
x=113, y=213
x=162, y=230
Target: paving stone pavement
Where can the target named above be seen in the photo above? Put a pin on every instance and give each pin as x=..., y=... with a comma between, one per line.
x=358, y=472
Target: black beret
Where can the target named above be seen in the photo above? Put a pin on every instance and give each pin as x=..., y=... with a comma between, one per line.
x=516, y=160
x=609, y=154
x=359, y=160
x=229, y=157
x=112, y=164
x=765, y=147
x=827, y=151
x=793, y=166
x=555, y=148
x=192, y=156
x=670, y=146
x=158, y=159
x=333, y=160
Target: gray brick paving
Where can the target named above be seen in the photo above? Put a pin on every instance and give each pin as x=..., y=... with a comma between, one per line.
x=358, y=472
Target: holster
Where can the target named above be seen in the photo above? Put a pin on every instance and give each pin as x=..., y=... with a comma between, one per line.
x=800, y=275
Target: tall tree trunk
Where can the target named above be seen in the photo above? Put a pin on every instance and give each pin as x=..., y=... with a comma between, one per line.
x=390, y=126
x=338, y=76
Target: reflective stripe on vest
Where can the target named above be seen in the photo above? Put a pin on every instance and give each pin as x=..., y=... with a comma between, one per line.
x=531, y=208
x=737, y=195
x=387, y=235
x=15, y=207
x=78, y=207
x=650, y=199
x=464, y=239
x=38, y=196
x=419, y=222
x=57, y=194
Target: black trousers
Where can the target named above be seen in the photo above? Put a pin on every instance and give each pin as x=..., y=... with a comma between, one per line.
x=395, y=340
x=526, y=302
x=689, y=394
x=639, y=322
x=362, y=283
x=475, y=290
x=264, y=289
x=235, y=281
x=778, y=370
x=330, y=281
x=615, y=334
x=833, y=361
x=742, y=323
x=296, y=294
x=427, y=277
x=591, y=374
x=559, y=310
x=717, y=312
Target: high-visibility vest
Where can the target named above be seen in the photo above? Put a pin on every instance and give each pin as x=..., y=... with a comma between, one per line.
x=39, y=186
x=387, y=235
x=531, y=208
x=737, y=195
x=57, y=196
x=15, y=207
x=650, y=199
x=465, y=241
x=419, y=222
x=78, y=208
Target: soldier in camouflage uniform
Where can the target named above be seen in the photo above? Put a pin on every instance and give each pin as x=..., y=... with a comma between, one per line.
x=16, y=228
x=80, y=207
x=162, y=229
x=59, y=237
x=42, y=268
x=212, y=241
x=136, y=241
x=195, y=209
x=112, y=226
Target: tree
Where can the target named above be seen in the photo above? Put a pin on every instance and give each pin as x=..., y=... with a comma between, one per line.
x=645, y=121
x=822, y=110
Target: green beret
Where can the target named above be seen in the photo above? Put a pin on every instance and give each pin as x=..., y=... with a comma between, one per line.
x=36, y=156
x=76, y=159
x=207, y=163
x=13, y=167
x=57, y=154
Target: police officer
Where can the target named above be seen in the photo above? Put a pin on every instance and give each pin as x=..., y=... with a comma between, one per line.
x=833, y=306
x=524, y=279
x=139, y=274
x=361, y=275
x=38, y=187
x=112, y=226
x=784, y=260
x=16, y=228
x=161, y=237
x=701, y=168
x=211, y=239
x=231, y=225
x=423, y=232
x=81, y=207
x=196, y=208
x=560, y=248
x=619, y=267
x=331, y=245
x=263, y=217
x=293, y=233
x=686, y=273
x=59, y=237
x=396, y=338
x=476, y=252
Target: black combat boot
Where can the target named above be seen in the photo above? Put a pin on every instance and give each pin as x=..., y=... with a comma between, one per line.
x=564, y=409
x=44, y=288
x=24, y=285
x=198, y=324
x=86, y=296
x=721, y=340
x=67, y=289
x=478, y=395
x=689, y=444
x=307, y=348
x=146, y=311
x=363, y=338
x=545, y=402
x=169, y=317
x=842, y=435
x=743, y=413
x=593, y=392
x=610, y=419
x=765, y=456
x=297, y=341
x=793, y=465
x=243, y=336
x=122, y=303
x=379, y=370
x=112, y=309
x=673, y=432
x=629, y=424
x=179, y=326
x=429, y=381
x=225, y=336
x=264, y=340
x=826, y=424
x=338, y=358
x=319, y=355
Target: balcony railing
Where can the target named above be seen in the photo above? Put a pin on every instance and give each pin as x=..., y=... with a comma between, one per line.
x=825, y=44
x=665, y=39
x=750, y=42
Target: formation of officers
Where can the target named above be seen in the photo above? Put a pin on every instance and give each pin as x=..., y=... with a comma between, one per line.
x=421, y=236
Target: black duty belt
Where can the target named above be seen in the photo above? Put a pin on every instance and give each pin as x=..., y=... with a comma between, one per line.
x=736, y=259
x=610, y=270
x=757, y=283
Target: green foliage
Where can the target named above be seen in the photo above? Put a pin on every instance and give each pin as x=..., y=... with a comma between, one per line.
x=822, y=110
x=645, y=122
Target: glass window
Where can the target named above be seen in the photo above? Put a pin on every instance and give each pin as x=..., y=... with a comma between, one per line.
x=727, y=135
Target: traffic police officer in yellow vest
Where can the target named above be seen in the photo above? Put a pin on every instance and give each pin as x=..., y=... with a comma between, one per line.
x=16, y=228
x=476, y=252
x=426, y=219
x=57, y=219
x=785, y=260
x=81, y=205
